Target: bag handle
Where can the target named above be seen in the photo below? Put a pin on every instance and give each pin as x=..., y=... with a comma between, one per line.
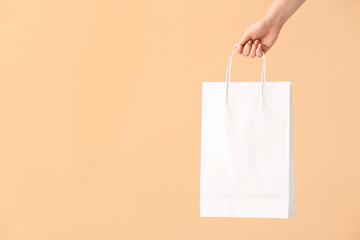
x=228, y=70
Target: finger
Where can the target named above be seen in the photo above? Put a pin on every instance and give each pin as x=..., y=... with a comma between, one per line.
x=258, y=50
x=247, y=48
x=244, y=39
x=238, y=48
x=252, y=53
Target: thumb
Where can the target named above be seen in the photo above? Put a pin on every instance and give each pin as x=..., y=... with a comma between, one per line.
x=244, y=39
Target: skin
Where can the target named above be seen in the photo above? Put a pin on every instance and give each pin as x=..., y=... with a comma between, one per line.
x=261, y=36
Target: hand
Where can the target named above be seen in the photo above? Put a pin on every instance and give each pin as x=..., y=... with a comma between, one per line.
x=260, y=36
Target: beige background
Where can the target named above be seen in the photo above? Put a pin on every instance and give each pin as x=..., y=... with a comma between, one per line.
x=100, y=110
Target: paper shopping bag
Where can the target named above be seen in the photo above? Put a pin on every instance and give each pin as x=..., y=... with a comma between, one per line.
x=247, y=153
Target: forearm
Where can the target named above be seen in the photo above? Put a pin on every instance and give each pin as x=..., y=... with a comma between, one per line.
x=281, y=10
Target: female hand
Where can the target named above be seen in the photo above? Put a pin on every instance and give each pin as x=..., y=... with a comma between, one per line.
x=260, y=36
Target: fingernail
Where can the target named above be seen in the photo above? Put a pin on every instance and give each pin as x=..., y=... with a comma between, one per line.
x=259, y=45
x=257, y=41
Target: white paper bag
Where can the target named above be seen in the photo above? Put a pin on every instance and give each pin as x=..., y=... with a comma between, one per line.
x=247, y=154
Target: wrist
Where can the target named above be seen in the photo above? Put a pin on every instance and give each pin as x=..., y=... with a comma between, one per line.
x=273, y=22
